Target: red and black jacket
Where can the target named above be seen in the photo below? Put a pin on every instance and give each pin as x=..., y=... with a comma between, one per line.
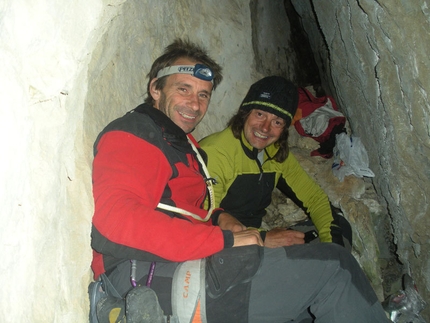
x=141, y=159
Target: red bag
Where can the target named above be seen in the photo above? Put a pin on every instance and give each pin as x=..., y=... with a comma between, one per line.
x=319, y=118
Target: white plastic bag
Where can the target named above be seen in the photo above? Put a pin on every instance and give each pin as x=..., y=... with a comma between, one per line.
x=405, y=305
x=350, y=157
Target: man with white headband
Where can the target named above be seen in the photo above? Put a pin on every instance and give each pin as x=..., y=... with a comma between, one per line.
x=160, y=256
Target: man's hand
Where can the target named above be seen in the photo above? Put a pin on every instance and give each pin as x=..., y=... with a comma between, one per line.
x=242, y=236
x=280, y=237
x=229, y=222
x=247, y=237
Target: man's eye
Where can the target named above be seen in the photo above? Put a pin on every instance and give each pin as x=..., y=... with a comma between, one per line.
x=278, y=124
x=204, y=96
x=183, y=90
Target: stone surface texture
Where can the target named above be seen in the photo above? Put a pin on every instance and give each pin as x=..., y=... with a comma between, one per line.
x=373, y=57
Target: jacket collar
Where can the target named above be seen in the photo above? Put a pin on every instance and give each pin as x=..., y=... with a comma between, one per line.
x=171, y=132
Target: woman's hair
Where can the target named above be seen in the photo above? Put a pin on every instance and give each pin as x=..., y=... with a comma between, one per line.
x=181, y=49
x=237, y=123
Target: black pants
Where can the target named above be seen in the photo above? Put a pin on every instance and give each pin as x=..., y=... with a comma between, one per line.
x=322, y=278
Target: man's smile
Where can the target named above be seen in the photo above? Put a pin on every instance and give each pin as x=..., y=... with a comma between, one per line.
x=187, y=116
x=259, y=135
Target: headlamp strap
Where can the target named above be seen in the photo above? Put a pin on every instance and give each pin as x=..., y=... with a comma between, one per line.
x=200, y=71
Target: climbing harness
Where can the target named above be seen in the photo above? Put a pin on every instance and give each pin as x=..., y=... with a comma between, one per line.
x=188, y=289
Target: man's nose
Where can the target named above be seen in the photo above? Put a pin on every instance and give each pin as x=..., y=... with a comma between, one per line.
x=193, y=101
x=266, y=124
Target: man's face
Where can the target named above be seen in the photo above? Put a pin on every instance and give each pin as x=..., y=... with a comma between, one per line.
x=262, y=128
x=184, y=98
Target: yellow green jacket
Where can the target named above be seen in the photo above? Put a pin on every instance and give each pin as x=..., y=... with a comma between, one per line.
x=244, y=185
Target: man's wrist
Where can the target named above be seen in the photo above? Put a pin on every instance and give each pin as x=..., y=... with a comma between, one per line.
x=262, y=232
x=228, y=238
x=215, y=215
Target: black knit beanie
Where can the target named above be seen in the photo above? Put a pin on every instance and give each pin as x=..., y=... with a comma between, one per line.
x=273, y=94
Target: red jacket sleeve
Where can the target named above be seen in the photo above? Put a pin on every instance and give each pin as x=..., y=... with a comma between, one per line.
x=129, y=177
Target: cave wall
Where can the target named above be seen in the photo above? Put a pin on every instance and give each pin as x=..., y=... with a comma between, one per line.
x=373, y=57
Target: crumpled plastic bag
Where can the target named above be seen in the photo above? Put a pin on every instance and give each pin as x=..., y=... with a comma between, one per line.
x=350, y=157
x=405, y=305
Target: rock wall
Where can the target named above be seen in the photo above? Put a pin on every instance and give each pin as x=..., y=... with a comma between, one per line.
x=45, y=190
x=373, y=57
